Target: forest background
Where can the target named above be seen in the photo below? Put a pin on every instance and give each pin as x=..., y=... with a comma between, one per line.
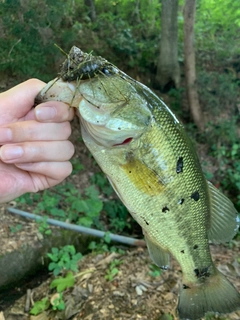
x=129, y=33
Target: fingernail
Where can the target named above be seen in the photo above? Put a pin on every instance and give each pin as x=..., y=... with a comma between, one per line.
x=45, y=113
x=5, y=135
x=10, y=152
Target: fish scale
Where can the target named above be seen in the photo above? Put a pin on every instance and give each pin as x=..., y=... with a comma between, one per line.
x=153, y=167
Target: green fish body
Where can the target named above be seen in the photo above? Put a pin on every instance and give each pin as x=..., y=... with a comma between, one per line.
x=150, y=161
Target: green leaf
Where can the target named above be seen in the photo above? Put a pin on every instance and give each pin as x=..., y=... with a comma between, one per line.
x=58, y=303
x=92, y=192
x=93, y=207
x=114, y=271
x=63, y=283
x=58, y=212
x=107, y=237
x=70, y=249
x=52, y=265
x=40, y=306
x=85, y=221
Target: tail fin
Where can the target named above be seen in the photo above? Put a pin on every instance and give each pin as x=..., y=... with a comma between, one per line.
x=216, y=294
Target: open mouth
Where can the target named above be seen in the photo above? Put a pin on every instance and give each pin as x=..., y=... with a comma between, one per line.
x=126, y=141
x=105, y=129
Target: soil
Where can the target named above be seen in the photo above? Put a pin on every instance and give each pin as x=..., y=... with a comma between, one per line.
x=132, y=294
x=135, y=292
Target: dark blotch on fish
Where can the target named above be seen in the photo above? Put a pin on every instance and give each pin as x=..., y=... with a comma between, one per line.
x=181, y=201
x=202, y=273
x=195, y=196
x=165, y=209
x=195, y=247
x=182, y=251
x=179, y=167
x=185, y=286
x=145, y=221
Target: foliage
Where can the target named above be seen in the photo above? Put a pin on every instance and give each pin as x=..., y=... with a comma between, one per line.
x=63, y=259
x=225, y=147
x=62, y=283
x=64, y=202
x=113, y=270
x=113, y=210
x=77, y=166
x=40, y=306
x=43, y=226
x=212, y=317
x=26, y=42
x=218, y=23
x=166, y=316
x=175, y=96
x=30, y=29
x=124, y=31
x=104, y=245
x=218, y=92
x=103, y=184
x=58, y=303
x=117, y=215
x=155, y=271
x=16, y=228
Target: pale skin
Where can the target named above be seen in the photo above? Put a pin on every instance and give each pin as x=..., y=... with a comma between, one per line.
x=34, y=146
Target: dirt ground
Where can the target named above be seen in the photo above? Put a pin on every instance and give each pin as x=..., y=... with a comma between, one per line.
x=135, y=292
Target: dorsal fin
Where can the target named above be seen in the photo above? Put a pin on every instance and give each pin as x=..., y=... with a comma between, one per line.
x=223, y=217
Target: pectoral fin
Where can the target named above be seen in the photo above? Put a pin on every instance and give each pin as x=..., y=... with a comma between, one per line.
x=223, y=219
x=159, y=256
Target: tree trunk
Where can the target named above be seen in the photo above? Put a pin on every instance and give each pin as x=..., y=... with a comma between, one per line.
x=92, y=11
x=189, y=62
x=168, y=73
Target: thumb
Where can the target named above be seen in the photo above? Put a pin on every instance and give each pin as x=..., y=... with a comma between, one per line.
x=16, y=102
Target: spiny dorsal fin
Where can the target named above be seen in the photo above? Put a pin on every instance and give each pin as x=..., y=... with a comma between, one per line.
x=223, y=217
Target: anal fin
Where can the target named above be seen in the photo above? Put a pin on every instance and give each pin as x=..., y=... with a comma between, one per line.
x=158, y=255
x=223, y=217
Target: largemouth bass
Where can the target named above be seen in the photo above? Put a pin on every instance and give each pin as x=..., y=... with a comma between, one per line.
x=150, y=161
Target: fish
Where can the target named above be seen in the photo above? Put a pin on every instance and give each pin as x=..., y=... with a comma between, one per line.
x=150, y=161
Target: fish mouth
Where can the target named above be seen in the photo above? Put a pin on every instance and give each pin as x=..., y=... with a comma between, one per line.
x=99, y=123
x=103, y=117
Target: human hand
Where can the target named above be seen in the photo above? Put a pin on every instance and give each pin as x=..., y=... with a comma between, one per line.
x=35, y=150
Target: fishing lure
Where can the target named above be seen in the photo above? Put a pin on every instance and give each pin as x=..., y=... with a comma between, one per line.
x=82, y=66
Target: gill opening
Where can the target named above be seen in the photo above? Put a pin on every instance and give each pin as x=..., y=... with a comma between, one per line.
x=126, y=141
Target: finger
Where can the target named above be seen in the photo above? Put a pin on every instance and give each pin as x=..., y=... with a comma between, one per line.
x=37, y=151
x=13, y=182
x=52, y=172
x=53, y=111
x=20, y=99
x=34, y=131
